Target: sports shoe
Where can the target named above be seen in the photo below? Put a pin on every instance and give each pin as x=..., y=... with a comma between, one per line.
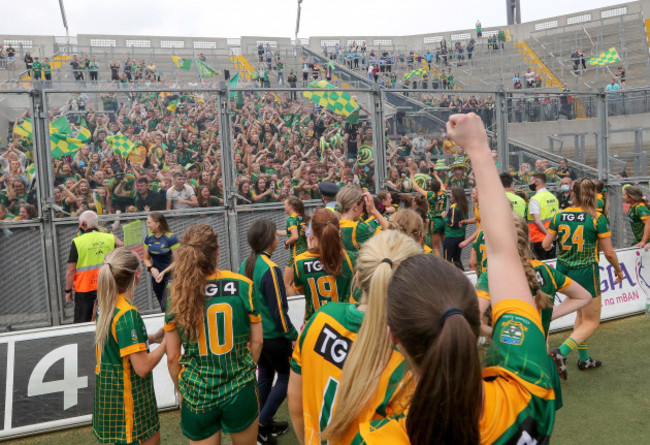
x=278, y=428
x=560, y=363
x=589, y=364
x=265, y=436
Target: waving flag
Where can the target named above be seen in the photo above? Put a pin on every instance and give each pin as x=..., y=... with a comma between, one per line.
x=121, y=144
x=337, y=101
x=607, y=58
x=184, y=64
x=205, y=70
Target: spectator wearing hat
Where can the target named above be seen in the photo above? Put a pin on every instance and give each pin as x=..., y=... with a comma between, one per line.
x=460, y=177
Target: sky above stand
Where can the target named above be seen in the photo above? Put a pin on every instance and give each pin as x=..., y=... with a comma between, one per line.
x=277, y=18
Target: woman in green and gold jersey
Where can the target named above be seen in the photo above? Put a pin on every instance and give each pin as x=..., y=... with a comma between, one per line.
x=125, y=409
x=212, y=314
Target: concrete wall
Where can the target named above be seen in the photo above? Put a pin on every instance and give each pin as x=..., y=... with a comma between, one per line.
x=537, y=133
x=517, y=32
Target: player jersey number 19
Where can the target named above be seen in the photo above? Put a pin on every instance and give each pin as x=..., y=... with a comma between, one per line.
x=219, y=333
x=323, y=290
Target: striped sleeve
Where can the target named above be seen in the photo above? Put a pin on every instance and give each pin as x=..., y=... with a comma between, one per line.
x=130, y=332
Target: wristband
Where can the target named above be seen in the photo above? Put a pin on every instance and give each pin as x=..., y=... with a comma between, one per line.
x=68, y=291
x=149, y=268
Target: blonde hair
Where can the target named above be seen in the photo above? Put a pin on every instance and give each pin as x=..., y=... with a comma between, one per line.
x=348, y=196
x=542, y=300
x=409, y=223
x=372, y=348
x=116, y=276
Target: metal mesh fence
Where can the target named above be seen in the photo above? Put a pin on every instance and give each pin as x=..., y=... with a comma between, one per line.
x=143, y=298
x=23, y=295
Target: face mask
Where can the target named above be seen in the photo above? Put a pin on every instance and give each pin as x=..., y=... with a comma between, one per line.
x=565, y=187
x=532, y=187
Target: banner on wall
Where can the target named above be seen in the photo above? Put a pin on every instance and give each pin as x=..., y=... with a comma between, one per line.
x=47, y=376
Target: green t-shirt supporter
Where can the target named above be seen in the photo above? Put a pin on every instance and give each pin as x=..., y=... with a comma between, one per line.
x=219, y=362
x=578, y=233
x=319, y=286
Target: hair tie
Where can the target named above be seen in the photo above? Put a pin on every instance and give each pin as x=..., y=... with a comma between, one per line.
x=328, y=222
x=192, y=245
x=449, y=312
x=387, y=260
x=110, y=266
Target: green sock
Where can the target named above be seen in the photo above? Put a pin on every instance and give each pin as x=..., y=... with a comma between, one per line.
x=583, y=353
x=568, y=346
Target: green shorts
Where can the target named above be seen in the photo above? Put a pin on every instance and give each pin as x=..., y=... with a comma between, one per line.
x=232, y=416
x=587, y=277
x=437, y=225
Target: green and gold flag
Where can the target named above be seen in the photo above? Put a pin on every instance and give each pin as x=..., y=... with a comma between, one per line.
x=607, y=58
x=121, y=144
x=62, y=145
x=337, y=101
x=205, y=70
x=184, y=64
x=24, y=129
x=61, y=125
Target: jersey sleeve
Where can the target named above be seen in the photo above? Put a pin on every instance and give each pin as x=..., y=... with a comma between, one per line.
x=602, y=227
x=552, y=228
x=518, y=342
x=296, y=278
x=291, y=224
x=174, y=243
x=248, y=299
x=642, y=212
x=131, y=333
x=364, y=233
x=560, y=280
x=482, y=287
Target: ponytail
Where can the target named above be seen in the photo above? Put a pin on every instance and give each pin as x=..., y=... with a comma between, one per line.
x=260, y=236
x=440, y=339
x=542, y=300
x=325, y=227
x=194, y=260
x=116, y=276
x=372, y=348
x=450, y=383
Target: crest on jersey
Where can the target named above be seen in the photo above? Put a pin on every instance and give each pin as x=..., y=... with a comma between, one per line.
x=512, y=334
x=134, y=336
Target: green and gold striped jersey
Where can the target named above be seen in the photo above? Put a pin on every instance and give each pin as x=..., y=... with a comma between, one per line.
x=219, y=363
x=318, y=286
x=295, y=221
x=578, y=233
x=437, y=203
x=638, y=215
x=481, y=252
x=125, y=409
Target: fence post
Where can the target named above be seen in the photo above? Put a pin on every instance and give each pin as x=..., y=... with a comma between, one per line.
x=503, y=149
x=378, y=141
x=228, y=172
x=44, y=170
x=602, y=137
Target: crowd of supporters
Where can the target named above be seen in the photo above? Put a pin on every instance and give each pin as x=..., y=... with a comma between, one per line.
x=284, y=145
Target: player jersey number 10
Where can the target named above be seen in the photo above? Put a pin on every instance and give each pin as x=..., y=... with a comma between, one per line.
x=219, y=335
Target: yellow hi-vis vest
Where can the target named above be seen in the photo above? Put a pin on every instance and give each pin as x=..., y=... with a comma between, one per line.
x=92, y=247
x=548, y=206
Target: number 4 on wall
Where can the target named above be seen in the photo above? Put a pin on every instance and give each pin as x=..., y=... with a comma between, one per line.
x=71, y=383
